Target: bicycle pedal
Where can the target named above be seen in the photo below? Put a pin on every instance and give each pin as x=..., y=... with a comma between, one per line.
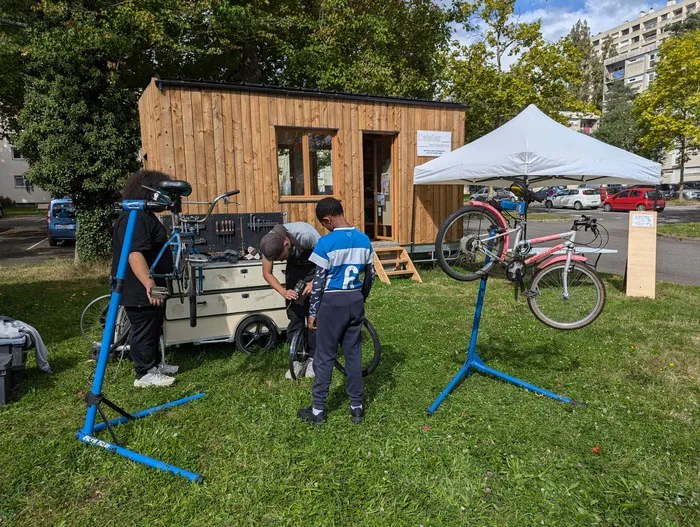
x=159, y=292
x=530, y=294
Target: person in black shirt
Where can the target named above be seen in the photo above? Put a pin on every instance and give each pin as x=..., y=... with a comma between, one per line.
x=144, y=312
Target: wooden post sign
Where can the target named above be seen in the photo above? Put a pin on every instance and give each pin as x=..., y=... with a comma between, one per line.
x=641, y=255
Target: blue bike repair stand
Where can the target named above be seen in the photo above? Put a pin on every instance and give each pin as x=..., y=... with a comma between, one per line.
x=95, y=398
x=474, y=363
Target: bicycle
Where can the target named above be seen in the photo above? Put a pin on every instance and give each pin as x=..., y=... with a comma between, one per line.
x=168, y=196
x=371, y=350
x=564, y=293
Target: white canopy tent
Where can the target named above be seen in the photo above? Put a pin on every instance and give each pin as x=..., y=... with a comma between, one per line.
x=548, y=153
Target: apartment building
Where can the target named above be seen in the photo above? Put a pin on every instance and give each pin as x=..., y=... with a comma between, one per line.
x=12, y=182
x=636, y=44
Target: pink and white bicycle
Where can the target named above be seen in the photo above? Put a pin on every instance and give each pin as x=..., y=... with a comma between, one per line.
x=565, y=292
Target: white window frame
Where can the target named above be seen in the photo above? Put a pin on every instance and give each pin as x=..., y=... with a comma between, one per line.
x=24, y=182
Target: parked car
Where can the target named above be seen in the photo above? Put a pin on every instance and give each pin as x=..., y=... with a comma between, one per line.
x=548, y=192
x=577, y=198
x=499, y=194
x=61, y=221
x=691, y=193
x=669, y=190
x=1, y=212
x=635, y=199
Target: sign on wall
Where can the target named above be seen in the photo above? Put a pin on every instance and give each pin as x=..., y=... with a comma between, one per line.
x=433, y=143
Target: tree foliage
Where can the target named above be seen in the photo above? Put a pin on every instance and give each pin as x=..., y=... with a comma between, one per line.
x=542, y=73
x=72, y=71
x=590, y=90
x=669, y=111
x=618, y=125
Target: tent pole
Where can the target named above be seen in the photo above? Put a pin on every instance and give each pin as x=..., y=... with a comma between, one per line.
x=413, y=220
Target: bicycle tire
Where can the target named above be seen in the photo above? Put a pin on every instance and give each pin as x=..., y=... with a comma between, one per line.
x=563, y=306
x=464, y=269
x=377, y=352
x=192, y=294
x=298, y=351
x=93, y=319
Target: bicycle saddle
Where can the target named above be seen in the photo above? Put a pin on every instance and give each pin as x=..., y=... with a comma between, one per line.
x=175, y=187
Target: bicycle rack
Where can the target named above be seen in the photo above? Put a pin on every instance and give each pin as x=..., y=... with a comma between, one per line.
x=474, y=363
x=95, y=398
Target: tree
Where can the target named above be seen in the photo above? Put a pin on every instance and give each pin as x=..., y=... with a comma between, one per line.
x=542, y=73
x=691, y=23
x=618, y=125
x=73, y=70
x=590, y=90
x=669, y=111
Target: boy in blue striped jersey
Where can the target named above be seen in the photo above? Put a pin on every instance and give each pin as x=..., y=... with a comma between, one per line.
x=338, y=307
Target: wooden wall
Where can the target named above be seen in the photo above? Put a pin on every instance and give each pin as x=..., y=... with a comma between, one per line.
x=223, y=139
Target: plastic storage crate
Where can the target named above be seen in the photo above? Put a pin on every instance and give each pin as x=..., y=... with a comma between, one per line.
x=13, y=353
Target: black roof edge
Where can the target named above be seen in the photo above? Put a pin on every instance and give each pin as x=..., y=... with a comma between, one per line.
x=280, y=90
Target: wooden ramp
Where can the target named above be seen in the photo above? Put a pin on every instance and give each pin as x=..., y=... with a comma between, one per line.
x=394, y=261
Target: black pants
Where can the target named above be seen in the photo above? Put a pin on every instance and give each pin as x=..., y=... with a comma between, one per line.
x=146, y=326
x=297, y=312
x=340, y=319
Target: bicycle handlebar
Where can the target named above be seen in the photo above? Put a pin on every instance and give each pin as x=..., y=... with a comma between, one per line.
x=211, y=207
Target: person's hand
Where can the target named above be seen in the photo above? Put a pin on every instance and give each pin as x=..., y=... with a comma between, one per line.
x=308, y=288
x=290, y=294
x=154, y=301
x=311, y=323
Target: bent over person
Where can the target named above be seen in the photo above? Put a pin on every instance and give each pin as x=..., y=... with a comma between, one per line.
x=293, y=243
x=144, y=312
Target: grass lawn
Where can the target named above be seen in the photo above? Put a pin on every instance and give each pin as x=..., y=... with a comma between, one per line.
x=492, y=454
x=15, y=212
x=683, y=202
x=532, y=216
x=684, y=230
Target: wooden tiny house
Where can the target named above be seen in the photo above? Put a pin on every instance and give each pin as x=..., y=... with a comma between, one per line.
x=285, y=149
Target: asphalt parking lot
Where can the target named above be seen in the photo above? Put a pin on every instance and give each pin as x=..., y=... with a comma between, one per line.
x=23, y=240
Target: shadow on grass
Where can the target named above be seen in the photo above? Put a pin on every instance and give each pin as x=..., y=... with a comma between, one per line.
x=372, y=384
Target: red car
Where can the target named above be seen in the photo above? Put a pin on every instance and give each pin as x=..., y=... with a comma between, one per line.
x=635, y=199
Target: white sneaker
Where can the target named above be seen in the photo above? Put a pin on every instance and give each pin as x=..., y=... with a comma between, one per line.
x=164, y=369
x=153, y=379
x=310, y=369
x=298, y=370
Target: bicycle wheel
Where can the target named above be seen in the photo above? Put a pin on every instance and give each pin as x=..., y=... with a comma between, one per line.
x=457, y=243
x=371, y=351
x=298, y=350
x=94, y=318
x=582, y=305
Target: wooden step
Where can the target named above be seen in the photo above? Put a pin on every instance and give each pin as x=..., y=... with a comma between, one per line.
x=399, y=261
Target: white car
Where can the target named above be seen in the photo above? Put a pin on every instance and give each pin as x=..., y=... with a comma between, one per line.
x=577, y=198
x=691, y=193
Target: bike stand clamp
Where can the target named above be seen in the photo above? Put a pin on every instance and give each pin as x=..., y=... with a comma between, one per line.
x=474, y=363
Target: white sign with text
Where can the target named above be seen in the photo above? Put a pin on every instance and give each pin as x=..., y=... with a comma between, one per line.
x=433, y=143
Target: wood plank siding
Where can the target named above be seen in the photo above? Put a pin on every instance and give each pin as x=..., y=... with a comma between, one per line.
x=224, y=138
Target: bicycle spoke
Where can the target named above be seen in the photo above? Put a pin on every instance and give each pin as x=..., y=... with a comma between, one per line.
x=566, y=309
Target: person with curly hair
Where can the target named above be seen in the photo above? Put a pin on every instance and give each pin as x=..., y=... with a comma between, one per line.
x=144, y=312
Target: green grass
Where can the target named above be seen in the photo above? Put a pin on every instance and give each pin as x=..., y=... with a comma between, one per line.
x=683, y=230
x=683, y=202
x=15, y=212
x=492, y=454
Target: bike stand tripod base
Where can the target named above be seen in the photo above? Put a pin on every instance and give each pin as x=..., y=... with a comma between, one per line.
x=474, y=363
x=95, y=398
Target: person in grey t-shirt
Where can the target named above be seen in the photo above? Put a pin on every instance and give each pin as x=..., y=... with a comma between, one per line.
x=293, y=243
